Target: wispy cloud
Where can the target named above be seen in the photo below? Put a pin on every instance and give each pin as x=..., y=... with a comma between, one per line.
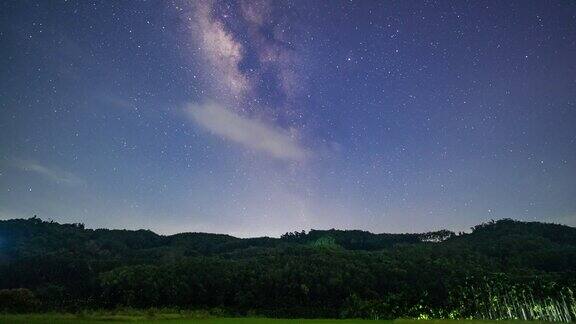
x=50, y=173
x=252, y=133
x=242, y=47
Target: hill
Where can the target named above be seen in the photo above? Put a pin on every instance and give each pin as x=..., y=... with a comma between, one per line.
x=321, y=273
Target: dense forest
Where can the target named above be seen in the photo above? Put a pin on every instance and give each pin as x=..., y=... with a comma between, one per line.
x=501, y=269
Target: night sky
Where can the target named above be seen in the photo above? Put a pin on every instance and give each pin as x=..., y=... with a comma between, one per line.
x=258, y=118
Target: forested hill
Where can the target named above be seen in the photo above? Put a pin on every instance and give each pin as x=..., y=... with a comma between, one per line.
x=26, y=237
x=332, y=273
x=29, y=237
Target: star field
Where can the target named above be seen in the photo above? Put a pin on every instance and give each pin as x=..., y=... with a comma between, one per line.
x=261, y=117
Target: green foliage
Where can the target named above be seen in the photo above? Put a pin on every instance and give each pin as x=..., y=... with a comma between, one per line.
x=18, y=300
x=354, y=239
x=325, y=242
x=504, y=269
x=185, y=319
x=502, y=296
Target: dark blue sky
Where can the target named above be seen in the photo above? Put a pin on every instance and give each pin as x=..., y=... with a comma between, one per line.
x=261, y=117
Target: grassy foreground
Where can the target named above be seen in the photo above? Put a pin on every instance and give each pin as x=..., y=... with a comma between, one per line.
x=178, y=319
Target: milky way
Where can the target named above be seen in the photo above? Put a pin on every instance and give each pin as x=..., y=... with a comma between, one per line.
x=262, y=117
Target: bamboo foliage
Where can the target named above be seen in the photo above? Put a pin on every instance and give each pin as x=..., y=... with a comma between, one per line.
x=499, y=299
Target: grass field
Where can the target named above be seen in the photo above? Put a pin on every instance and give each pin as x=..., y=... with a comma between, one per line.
x=177, y=319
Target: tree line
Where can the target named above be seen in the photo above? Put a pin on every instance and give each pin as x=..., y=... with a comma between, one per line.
x=502, y=269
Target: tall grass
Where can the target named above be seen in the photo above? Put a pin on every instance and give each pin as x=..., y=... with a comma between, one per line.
x=504, y=301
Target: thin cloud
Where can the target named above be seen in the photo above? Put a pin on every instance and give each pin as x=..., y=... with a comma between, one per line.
x=251, y=133
x=50, y=173
x=225, y=52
